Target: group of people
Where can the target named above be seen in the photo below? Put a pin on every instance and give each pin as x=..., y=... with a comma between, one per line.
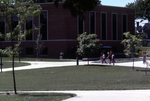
x=110, y=58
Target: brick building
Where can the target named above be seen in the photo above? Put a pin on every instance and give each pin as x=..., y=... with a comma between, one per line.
x=60, y=30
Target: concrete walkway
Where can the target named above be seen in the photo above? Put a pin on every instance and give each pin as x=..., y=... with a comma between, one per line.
x=100, y=95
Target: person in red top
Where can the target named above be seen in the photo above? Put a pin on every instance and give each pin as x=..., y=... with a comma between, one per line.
x=144, y=57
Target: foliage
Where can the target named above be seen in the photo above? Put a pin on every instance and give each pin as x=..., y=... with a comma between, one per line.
x=39, y=44
x=76, y=7
x=24, y=11
x=142, y=9
x=130, y=43
x=87, y=44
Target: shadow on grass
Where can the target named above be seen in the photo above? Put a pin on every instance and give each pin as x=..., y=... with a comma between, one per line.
x=98, y=65
x=40, y=95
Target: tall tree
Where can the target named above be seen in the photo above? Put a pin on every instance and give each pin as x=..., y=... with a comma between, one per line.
x=23, y=11
x=130, y=43
x=76, y=7
x=142, y=9
x=88, y=44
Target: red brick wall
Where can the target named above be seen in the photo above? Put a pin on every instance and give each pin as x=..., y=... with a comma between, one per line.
x=62, y=29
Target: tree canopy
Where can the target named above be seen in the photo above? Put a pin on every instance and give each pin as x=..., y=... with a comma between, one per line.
x=87, y=44
x=142, y=9
x=23, y=12
x=76, y=7
x=130, y=43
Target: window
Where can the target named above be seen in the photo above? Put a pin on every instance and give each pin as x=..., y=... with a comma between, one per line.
x=92, y=22
x=45, y=51
x=80, y=25
x=14, y=24
x=114, y=26
x=124, y=23
x=29, y=24
x=29, y=51
x=43, y=22
x=2, y=27
x=103, y=24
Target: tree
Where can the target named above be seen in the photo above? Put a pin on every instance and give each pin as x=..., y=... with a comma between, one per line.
x=39, y=45
x=142, y=9
x=87, y=44
x=130, y=43
x=76, y=7
x=24, y=11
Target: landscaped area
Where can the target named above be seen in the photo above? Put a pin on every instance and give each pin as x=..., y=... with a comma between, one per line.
x=92, y=77
x=77, y=78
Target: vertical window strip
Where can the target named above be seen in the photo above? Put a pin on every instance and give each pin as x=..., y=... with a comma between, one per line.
x=124, y=23
x=2, y=27
x=44, y=25
x=103, y=26
x=29, y=25
x=80, y=25
x=92, y=23
x=114, y=26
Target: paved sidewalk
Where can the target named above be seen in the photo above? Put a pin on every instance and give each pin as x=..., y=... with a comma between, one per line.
x=100, y=95
x=43, y=64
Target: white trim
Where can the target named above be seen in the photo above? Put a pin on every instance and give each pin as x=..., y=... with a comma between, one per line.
x=101, y=24
x=46, y=22
x=116, y=26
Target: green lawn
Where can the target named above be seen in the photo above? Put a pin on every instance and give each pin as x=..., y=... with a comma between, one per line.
x=36, y=97
x=76, y=78
x=16, y=64
x=32, y=59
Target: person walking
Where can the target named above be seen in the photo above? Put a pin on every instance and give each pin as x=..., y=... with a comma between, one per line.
x=113, y=58
x=101, y=57
x=144, y=57
x=104, y=58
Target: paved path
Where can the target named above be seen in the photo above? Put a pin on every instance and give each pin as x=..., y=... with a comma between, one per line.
x=43, y=64
x=100, y=95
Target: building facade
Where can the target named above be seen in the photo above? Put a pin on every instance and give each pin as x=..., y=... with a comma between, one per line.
x=60, y=30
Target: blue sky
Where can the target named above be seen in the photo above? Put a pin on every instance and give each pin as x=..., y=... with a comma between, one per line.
x=121, y=3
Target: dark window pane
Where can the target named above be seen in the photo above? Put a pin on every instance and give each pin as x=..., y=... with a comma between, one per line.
x=2, y=28
x=103, y=26
x=43, y=22
x=80, y=25
x=45, y=51
x=28, y=27
x=92, y=22
x=29, y=51
x=114, y=25
x=124, y=24
x=14, y=24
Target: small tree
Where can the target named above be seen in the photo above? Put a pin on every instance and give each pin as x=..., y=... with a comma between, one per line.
x=23, y=10
x=39, y=45
x=87, y=44
x=130, y=43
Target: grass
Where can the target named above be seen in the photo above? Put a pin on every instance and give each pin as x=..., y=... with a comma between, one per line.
x=36, y=97
x=16, y=64
x=77, y=78
x=34, y=59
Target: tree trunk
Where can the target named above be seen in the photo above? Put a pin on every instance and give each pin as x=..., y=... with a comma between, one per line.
x=13, y=60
